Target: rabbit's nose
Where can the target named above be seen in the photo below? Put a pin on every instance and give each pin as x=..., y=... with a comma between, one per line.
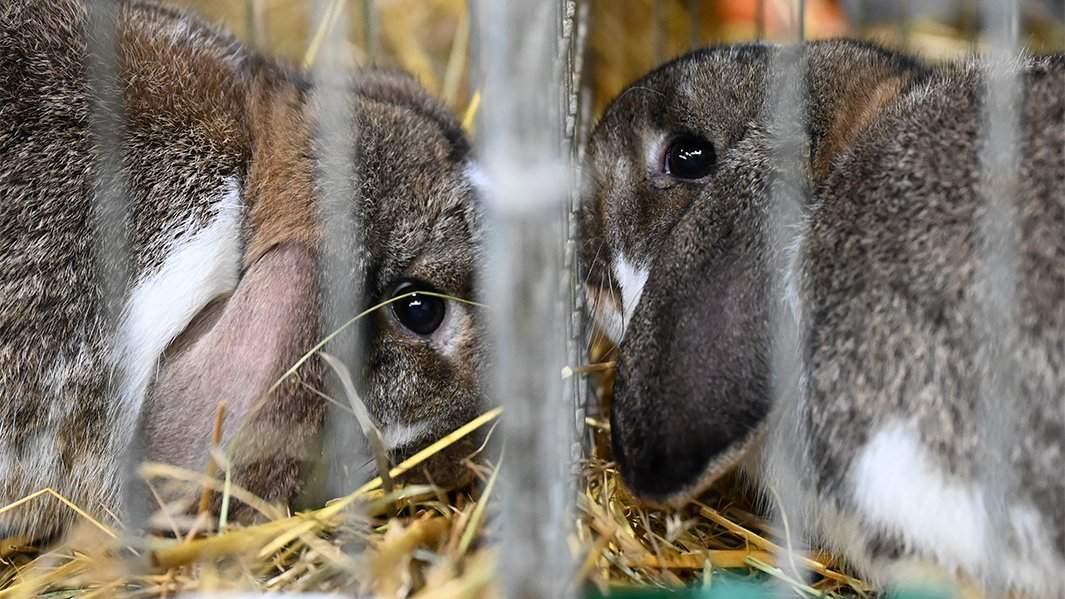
x=690, y=394
x=658, y=459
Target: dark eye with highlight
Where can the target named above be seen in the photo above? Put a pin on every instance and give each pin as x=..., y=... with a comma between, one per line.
x=419, y=313
x=689, y=157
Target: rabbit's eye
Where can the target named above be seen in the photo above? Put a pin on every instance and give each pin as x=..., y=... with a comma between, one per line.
x=420, y=313
x=689, y=157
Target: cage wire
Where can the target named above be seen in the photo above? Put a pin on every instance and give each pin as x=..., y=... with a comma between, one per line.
x=113, y=236
x=997, y=281
x=573, y=38
x=529, y=67
x=522, y=51
x=787, y=464
x=350, y=439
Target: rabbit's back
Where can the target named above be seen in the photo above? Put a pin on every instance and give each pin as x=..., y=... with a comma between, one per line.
x=182, y=154
x=899, y=368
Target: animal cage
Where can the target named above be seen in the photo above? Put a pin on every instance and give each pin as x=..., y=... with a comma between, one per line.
x=548, y=515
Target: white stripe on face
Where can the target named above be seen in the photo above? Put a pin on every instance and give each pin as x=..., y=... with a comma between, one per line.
x=631, y=278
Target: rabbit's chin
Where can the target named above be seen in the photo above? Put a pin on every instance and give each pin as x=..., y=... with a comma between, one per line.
x=448, y=469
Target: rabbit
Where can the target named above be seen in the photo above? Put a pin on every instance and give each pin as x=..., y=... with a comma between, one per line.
x=881, y=287
x=224, y=285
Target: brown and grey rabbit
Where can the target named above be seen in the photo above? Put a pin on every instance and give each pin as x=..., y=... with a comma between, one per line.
x=223, y=286
x=676, y=223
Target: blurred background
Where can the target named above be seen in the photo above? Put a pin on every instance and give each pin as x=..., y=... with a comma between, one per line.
x=431, y=38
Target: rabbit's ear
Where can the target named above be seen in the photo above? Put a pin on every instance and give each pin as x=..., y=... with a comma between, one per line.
x=234, y=352
x=853, y=84
x=691, y=393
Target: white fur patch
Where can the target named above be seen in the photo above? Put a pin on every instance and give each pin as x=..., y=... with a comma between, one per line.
x=198, y=268
x=897, y=488
x=398, y=435
x=631, y=279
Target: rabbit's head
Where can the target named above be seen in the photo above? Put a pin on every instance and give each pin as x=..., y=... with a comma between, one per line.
x=409, y=222
x=424, y=354
x=675, y=217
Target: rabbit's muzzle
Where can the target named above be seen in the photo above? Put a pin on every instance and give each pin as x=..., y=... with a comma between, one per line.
x=450, y=468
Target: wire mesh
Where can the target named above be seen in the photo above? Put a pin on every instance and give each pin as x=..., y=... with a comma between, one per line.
x=573, y=41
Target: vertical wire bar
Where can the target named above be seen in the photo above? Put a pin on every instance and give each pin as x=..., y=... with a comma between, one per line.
x=695, y=24
x=524, y=209
x=108, y=131
x=590, y=400
x=249, y=23
x=575, y=28
x=759, y=18
x=903, y=22
x=582, y=103
x=997, y=279
x=1059, y=41
x=255, y=21
x=787, y=464
x=659, y=34
x=371, y=30
x=966, y=10
x=589, y=405
x=111, y=219
x=569, y=103
x=341, y=253
x=861, y=17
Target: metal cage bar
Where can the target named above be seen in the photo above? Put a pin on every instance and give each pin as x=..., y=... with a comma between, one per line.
x=525, y=211
x=111, y=222
x=345, y=448
x=371, y=30
x=997, y=278
x=572, y=41
x=786, y=457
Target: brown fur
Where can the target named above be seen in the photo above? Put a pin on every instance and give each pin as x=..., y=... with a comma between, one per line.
x=280, y=181
x=863, y=101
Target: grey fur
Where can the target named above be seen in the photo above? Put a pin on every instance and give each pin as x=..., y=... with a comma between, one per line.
x=885, y=278
x=198, y=110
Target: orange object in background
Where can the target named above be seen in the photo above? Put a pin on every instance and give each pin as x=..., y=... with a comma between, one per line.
x=738, y=19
